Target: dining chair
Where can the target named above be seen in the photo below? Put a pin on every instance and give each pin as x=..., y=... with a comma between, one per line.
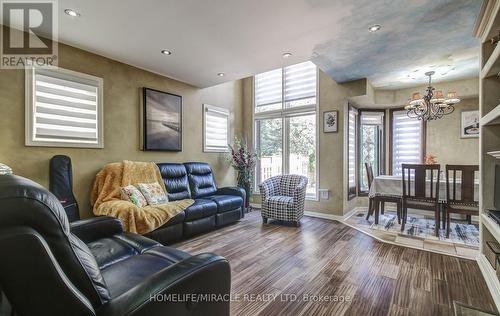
x=461, y=201
x=421, y=190
x=377, y=203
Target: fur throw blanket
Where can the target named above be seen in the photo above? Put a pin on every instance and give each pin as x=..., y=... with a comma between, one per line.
x=105, y=197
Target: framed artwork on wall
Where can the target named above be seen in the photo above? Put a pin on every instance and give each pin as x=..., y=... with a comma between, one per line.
x=331, y=122
x=162, y=121
x=469, y=124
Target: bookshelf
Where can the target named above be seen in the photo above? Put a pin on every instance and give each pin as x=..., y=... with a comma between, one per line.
x=487, y=26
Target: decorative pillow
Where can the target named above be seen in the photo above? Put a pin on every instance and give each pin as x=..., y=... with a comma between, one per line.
x=132, y=194
x=153, y=193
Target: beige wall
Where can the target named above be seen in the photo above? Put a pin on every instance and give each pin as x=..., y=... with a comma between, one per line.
x=332, y=96
x=122, y=84
x=443, y=138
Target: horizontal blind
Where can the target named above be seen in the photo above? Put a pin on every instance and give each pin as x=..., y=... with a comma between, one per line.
x=216, y=129
x=406, y=141
x=352, y=147
x=65, y=108
x=369, y=118
x=300, y=81
x=268, y=88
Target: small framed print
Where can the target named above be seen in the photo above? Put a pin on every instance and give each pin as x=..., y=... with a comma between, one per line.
x=331, y=122
x=469, y=127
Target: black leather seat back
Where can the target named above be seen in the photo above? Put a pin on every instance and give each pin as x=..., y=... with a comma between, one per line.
x=61, y=185
x=25, y=204
x=176, y=181
x=201, y=179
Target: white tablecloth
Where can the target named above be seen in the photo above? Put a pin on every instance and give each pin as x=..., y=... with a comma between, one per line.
x=393, y=186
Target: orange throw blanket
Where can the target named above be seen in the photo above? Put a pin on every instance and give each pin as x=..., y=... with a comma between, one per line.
x=105, y=197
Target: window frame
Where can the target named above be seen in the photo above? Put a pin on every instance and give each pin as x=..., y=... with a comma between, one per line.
x=30, y=101
x=423, y=138
x=285, y=114
x=221, y=110
x=381, y=151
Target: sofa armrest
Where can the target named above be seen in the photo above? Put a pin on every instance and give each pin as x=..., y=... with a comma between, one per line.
x=235, y=191
x=198, y=285
x=94, y=228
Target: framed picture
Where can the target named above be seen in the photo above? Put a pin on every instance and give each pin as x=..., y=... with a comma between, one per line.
x=162, y=121
x=469, y=126
x=331, y=122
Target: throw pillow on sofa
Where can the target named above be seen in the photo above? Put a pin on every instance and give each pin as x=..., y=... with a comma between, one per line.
x=153, y=193
x=132, y=194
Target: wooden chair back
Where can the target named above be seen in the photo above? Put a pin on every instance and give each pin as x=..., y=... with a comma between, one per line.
x=421, y=182
x=461, y=177
x=369, y=173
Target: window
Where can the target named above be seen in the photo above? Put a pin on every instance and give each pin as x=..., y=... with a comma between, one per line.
x=371, y=145
x=352, y=126
x=407, y=140
x=286, y=123
x=63, y=109
x=216, y=128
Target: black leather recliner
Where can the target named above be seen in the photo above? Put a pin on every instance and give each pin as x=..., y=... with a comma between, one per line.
x=93, y=267
x=213, y=207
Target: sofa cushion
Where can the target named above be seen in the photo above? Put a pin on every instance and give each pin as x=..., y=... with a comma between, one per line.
x=226, y=202
x=176, y=180
x=201, y=179
x=200, y=209
x=282, y=201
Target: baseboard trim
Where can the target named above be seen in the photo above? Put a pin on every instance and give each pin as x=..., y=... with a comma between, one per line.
x=490, y=276
x=332, y=217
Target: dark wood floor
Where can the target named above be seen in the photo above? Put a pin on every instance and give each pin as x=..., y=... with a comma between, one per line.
x=325, y=259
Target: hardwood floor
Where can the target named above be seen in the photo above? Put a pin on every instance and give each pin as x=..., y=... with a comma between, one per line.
x=328, y=260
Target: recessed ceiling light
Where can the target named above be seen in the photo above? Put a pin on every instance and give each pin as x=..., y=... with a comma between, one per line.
x=286, y=55
x=220, y=74
x=166, y=52
x=374, y=28
x=71, y=12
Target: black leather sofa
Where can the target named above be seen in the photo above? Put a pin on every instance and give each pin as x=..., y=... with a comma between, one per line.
x=214, y=207
x=93, y=267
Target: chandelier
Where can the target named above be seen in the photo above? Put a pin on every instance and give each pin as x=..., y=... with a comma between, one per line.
x=433, y=105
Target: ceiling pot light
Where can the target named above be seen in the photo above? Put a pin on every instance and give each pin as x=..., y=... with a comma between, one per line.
x=166, y=52
x=286, y=55
x=220, y=74
x=374, y=28
x=71, y=12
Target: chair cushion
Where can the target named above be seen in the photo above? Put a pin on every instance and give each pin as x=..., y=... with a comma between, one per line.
x=200, y=209
x=176, y=180
x=127, y=259
x=281, y=200
x=201, y=179
x=226, y=202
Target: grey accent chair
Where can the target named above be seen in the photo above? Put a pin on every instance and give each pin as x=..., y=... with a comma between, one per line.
x=283, y=198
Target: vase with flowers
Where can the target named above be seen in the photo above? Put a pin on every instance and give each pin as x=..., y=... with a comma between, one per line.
x=243, y=160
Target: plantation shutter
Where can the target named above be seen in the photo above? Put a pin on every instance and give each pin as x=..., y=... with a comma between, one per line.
x=65, y=109
x=407, y=135
x=216, y=129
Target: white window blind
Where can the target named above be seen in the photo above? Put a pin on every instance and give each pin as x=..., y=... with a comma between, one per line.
x=300, y=81
x=287, y=87
x=406, y=141
x=64, y=109
x=352, y=124
x=216, y=128
x=372, y=118
x=268, y=89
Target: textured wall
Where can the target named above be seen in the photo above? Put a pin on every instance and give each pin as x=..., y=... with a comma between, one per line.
x=443, y=138
x=122, y=92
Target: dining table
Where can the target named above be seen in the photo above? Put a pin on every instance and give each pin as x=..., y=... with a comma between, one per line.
x=390, y=185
